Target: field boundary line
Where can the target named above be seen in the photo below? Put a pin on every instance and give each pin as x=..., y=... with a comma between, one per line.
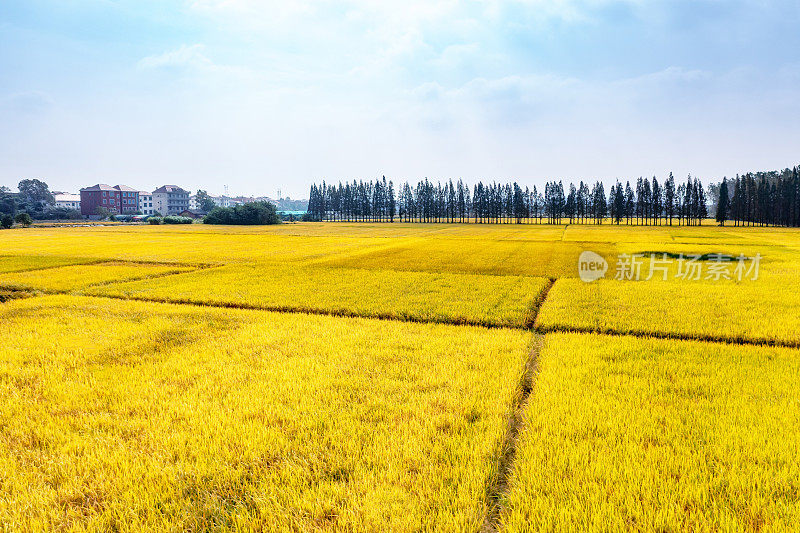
x=497, y=491
x=699, y=337
x=270, y=309
x=6, y=295
x=537, y=303
x=189, y=269
x=294, y=309
x=49, y=267
x=100, y=261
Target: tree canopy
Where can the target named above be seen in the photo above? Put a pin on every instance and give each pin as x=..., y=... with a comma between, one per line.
x=254, y=213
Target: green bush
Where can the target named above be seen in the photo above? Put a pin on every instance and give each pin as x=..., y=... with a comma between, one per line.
x=62, y=213
x=254, y=213
x=6, y=221
x=24, y=219
x=172, y=219
x=154, y=220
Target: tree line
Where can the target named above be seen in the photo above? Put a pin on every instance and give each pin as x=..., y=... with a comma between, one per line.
x=648, y=202
x=761, y=198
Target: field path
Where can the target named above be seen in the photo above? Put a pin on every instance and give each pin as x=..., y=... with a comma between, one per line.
x=497, y=491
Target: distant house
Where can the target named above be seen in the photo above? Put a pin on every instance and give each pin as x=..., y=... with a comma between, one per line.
x=170, y=200
x=193, y=213
x=68, y=201
x=146, y=203
x=224, y=201
x=118, y=199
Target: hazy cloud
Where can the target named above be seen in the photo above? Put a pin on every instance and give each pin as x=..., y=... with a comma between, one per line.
x=186, y=56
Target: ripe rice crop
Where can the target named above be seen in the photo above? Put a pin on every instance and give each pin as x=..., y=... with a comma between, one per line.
x=476, y=256
x=455, y=298
x=132, y=416
x=715, y=310
x=198, y=244
x=12, y=263
x=658, y=435
x=78, y=276
x=122, y=408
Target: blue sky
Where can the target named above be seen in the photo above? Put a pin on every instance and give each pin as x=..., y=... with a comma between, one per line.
x=261, y=95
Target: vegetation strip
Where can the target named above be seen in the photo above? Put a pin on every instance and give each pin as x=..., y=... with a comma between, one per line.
x=508, y=451
x=737, y=341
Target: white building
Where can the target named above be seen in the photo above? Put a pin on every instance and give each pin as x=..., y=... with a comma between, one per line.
x=68, y=201
x=227, y=201
x=146, y=203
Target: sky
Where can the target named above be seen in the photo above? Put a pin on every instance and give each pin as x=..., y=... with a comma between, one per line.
x=269, y=95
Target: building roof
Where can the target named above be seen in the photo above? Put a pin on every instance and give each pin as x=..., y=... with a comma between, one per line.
x=169, y=188
x=66, y=197
x=99, y=187
x=104, y=187
x=147, y=193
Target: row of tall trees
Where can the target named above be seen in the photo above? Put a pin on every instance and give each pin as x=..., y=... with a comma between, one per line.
x=762, y=199
x=365, y=201
x=649, y=203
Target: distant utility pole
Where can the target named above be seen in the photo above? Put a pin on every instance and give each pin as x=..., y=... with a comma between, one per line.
x=279, y=194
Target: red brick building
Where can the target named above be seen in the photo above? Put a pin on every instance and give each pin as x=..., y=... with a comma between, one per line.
x=119, y=199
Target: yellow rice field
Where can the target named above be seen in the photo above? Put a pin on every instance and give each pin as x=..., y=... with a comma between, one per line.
x=21, y=263
x=653, y=435
x=67, y=278
x=184, y=378
x=178, y=417
x=454, y=298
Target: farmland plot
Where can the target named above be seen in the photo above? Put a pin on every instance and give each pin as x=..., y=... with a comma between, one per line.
x=182, y=417
x=453, y=298
x=73, y=277
x=656, y=435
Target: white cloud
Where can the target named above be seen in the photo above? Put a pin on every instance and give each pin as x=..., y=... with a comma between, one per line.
x=186, y=56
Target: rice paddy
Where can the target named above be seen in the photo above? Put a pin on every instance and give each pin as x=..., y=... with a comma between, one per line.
x=396, y=377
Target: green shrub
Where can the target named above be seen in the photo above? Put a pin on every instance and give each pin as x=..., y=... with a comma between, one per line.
x=172, y=219
x=24, y=219
x=154, y=220
x=254, y=213
x=6, y=221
